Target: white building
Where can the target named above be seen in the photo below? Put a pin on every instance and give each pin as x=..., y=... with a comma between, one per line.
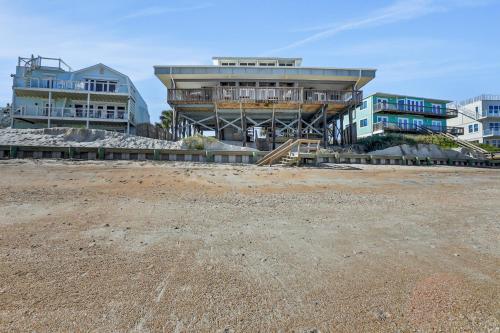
x=480, y=119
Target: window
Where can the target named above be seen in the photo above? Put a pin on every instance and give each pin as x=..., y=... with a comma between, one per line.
x=436, y=125
x=100, y=85
x=228, y=84
x=267, y=84
x=364, y=105
x=247, y=84
x=382, y=119
x=363, y=123
x=382, y=103
x=476, y=127
x=436, y=108
x=471, y=128
x=403, y=123
x=110, y=112
x=121, y=112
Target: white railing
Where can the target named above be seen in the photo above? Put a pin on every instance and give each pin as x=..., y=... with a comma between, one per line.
x=84, y=86
x=491, y=131
x=262, y=94
x=484, y=97
x=71, y=113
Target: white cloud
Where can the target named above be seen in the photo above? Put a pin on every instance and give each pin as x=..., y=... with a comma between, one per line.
x=158, y=10
x=401, y=10
x=81, y=45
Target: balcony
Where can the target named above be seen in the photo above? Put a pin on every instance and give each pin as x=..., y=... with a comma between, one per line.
x=71, y=114
x=72, y=85
x=495, y=113
x=415, y=128
x=428, y=111
x=491, y=132
x=261, y=95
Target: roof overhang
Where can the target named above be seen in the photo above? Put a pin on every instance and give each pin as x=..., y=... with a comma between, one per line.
x=350, y=76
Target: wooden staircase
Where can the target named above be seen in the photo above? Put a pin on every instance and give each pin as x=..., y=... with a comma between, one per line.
x=460, y=142
x=466, y=144
x=290, y=152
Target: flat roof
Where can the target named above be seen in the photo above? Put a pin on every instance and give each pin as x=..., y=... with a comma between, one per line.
x=210, y=72
x=406, y=96
x=257, y=58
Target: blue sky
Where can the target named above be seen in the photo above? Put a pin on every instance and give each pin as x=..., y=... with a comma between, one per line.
x=437, y=48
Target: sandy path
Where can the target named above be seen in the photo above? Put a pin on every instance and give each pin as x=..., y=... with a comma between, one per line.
x=130, y=246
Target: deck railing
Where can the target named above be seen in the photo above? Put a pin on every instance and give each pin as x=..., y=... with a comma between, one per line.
x=491, y=113
x=262, y=94
x=416, y=128
x=435, y=110
x=75, y=113
x=77, y=85
x=491, y=131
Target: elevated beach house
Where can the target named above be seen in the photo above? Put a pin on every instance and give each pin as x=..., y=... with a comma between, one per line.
x=48, y=93
x=279, y=96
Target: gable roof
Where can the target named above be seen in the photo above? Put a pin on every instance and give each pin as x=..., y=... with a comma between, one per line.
x=101, y=65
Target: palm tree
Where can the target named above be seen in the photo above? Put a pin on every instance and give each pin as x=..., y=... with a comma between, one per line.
x=166, y=119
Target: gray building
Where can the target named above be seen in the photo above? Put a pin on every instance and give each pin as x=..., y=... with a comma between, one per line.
x=48, y=93
x=480, y=119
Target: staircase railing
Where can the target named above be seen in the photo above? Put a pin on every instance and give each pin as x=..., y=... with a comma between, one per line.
x=286, y=149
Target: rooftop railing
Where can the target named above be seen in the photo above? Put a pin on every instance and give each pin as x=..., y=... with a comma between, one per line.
x=484, y=97
x=435, y=110
x=262, y=94
x=76, y=85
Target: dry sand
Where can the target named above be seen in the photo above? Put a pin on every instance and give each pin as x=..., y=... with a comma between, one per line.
x=178, y=247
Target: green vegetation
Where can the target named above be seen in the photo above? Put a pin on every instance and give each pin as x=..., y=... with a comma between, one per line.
x=378, y=142
x=165, y=120
x=198, y=142
x=489, y=148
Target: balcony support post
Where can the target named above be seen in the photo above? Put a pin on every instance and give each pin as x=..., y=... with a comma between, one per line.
x=88, y=110
x=325, y=126
x=50, y=109
x=172, y=127
x=217, y=124
x=273, y=129
x=299, y=123
x=351, y=132
x=243, y=127
x=176, y=125
x=341, y=129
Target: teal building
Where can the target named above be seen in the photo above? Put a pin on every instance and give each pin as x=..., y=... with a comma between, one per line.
x=382, y=113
